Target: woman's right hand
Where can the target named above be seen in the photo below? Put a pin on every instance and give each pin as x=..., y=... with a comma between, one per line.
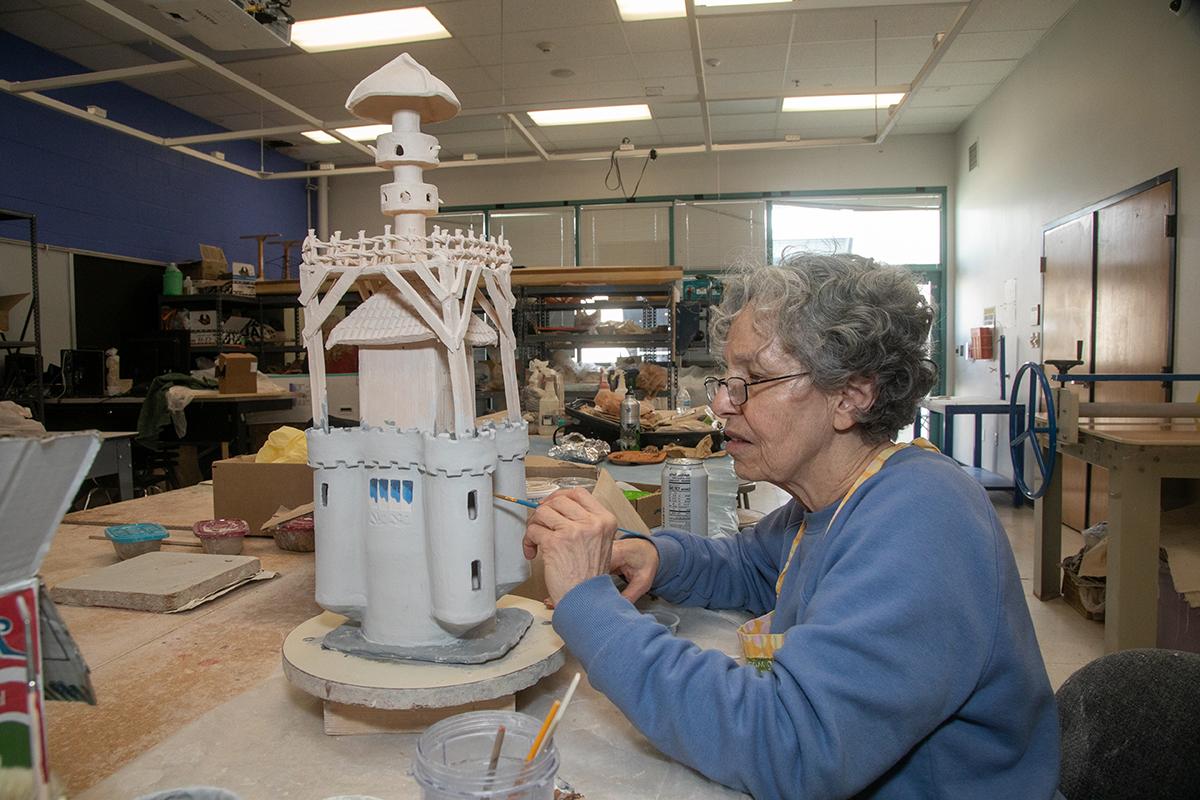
x=636, y=560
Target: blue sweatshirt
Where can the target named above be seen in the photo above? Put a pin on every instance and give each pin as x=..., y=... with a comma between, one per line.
x=910, y=667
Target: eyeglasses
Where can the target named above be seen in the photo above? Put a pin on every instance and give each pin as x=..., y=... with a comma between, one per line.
x=738, y=388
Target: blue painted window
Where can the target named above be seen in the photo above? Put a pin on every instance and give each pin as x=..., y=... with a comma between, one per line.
x=396, y=491
x=408, y=492
x=374, y=489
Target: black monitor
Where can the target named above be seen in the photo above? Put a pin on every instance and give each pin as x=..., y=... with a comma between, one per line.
x=145, y=358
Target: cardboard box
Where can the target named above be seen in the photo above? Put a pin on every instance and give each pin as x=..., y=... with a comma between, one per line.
x=7, y=303
x=649, y=508
x=211, y=266
x=246, y=490
x=235, y=373
x=546, y=467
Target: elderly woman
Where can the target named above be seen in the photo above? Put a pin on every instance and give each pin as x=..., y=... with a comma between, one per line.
x=894, y=655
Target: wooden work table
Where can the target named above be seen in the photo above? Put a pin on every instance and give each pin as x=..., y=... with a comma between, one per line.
x=199, y=698
x=1138, y=457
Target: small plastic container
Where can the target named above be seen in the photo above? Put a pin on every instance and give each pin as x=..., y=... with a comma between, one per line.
x=135, y=539
x=221, y=537
x=296, y=535
x=576, y=483
x=453, y=756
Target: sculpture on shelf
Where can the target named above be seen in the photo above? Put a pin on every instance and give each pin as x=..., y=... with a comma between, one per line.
x=410, y=545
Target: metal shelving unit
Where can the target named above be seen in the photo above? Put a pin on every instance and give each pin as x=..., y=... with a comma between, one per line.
x=34, y=394
x=534, y=311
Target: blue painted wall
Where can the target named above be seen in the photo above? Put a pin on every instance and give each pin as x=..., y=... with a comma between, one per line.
x=96, y=189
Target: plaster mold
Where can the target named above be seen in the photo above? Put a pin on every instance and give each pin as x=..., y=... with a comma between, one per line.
x=410, y=544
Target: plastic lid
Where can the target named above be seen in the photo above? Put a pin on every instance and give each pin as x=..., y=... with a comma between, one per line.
x=220, y=528
x=136, y=532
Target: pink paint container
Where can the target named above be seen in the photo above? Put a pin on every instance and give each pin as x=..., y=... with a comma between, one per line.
x=221, y=537
x=296, y=535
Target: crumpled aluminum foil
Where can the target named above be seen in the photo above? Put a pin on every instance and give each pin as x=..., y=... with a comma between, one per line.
x=580, y=449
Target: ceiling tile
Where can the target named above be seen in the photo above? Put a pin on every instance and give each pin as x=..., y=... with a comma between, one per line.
x=332, y=93
x=966, y=95
x=987, y=46
x=522, y=46
x=967, y=72
x=657, y=34
x=827, y=25
x=742, y=122
x=744, y=83
x=285, y=70
x=807, y=120
x=667, y=110
x=744, y=30
x=210, y=105
x=470, y=79
x=610, y=132
x=587, y=70
x=681, y=125
x=600, y=92
x=746, y=59
x=172, y=85
x=102, y=24
x=106, y=56
x=1016, y=15
x=743, y=106
x=467, y=17
x=835, y=78
x=466, y=124
x=48, y=29
x=665, y=64
x=535, y=15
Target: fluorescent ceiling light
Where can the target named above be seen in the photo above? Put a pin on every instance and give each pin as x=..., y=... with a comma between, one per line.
x=583, y=116
x=359, y=133
x=841, y=102
x=368, y=30
x=635, y=10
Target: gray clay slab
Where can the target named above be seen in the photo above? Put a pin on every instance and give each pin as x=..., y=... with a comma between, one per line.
x=476, y=647
x=158, y=581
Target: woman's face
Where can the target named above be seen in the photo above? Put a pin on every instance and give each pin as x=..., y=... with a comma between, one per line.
x=783, y=425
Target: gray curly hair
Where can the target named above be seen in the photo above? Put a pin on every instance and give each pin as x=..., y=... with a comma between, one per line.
x=841, y=317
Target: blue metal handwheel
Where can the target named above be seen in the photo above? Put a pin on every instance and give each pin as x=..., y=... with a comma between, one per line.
x=1023, y=426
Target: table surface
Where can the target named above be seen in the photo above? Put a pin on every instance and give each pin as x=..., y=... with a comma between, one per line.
x=1149, y=434
x=199, y=697
x=940, y=404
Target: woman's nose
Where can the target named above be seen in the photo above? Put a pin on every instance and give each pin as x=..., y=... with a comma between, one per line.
x=722, y=405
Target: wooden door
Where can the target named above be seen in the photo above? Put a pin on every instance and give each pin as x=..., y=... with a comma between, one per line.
x=1133, y=306
x=1067, y=320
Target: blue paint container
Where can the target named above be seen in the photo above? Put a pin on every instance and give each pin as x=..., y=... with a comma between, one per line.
x=136, y=539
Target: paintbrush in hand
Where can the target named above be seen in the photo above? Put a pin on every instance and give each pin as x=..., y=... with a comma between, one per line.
x=531, y=504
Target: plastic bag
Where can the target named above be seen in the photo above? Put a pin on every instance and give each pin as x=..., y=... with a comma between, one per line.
x=285, y=445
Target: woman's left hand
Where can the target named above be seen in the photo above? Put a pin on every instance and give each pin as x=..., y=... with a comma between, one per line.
x=574, y=534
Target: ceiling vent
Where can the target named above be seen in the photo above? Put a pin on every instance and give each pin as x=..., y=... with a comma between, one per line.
x=973, y=155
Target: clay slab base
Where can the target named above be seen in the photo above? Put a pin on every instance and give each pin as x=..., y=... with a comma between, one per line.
x=161, y=582
x=474, y=648
x=338, y=678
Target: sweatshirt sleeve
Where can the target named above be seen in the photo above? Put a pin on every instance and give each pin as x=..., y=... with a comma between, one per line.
x=736, y=571
x=891, y=643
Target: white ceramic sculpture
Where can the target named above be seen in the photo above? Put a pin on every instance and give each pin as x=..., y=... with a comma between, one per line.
x=409, y=540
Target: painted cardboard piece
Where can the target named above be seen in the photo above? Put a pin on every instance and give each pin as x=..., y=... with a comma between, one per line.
x=41, y=475
x=410, y=544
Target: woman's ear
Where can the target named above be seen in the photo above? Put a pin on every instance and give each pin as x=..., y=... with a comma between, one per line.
x=854, y=400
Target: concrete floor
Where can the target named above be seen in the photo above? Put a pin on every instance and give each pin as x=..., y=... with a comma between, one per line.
x=1067, y=639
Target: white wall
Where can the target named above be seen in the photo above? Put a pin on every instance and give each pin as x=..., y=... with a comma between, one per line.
x=902, y=161
x=54, y=289
x=1110, y=98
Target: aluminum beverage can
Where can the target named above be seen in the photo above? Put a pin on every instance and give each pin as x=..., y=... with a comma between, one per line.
x=685, y=495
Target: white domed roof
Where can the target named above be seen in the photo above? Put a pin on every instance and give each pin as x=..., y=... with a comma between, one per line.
x=402, y=83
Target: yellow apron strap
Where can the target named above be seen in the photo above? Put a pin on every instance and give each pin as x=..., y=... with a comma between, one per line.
x=758, y=643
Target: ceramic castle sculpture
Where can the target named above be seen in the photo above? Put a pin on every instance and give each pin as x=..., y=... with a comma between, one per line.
x=411, y=546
